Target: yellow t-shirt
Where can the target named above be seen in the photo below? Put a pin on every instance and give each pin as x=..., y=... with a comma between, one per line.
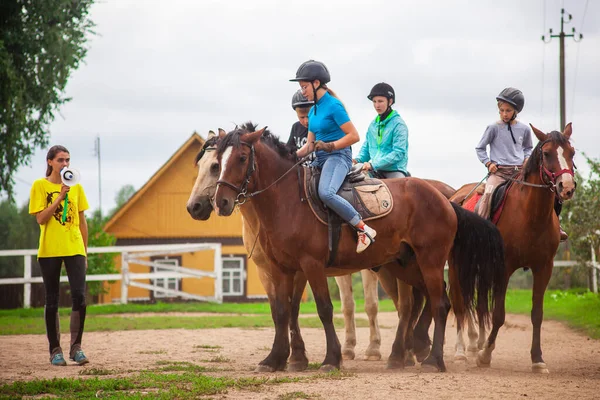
x=58, y=239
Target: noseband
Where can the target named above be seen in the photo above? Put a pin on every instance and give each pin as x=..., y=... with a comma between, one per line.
x=243, y=188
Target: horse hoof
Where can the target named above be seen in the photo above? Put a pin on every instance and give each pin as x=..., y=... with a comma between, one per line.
x=539, y=368
x=422, y=354
x=297, y=367
x=394, y=364
x=460, y=356
x=264, y=369
x=348, y=354
x=482, y=360
x=372, y=355
x=410, y=360
x=328, y=368
x=472, y=348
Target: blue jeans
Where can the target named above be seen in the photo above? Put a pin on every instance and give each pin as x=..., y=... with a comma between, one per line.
x=334, y=167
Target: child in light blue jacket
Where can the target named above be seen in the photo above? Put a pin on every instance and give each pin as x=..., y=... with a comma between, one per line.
x=385, y=150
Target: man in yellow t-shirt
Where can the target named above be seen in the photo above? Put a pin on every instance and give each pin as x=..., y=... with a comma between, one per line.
x=63, y=239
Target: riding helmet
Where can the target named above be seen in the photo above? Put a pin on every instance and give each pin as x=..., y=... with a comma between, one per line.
x=312, y=70
x=512, y=96
x=298, y=100
x=383, y=89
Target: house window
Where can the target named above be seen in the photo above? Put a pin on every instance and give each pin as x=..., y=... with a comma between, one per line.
x=234, y=276
x=167, y=283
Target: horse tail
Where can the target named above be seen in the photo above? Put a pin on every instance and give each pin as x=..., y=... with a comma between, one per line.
x=478, y=256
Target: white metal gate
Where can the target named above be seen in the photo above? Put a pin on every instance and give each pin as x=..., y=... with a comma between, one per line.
x=134, y=255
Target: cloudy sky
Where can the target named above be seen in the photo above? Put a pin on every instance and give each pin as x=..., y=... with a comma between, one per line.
x=157, y=71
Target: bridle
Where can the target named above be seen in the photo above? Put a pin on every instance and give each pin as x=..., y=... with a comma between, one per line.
x=546, y=176
x=242, y=190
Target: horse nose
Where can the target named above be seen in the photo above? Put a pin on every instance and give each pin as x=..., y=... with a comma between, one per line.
x=224, y=204
x=193, y=208
x=560, y=187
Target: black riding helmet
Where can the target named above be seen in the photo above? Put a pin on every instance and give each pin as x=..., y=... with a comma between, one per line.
x=513, y=97
x=312, y=70
x=383, y=89
x=298, y=100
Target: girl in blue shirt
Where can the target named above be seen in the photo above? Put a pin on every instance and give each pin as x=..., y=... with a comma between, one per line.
x=330, y=135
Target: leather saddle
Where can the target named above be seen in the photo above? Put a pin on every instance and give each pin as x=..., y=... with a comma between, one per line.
x=370, y=197
x=498, y=199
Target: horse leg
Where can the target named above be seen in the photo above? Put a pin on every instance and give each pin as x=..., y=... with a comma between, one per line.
x=421, y=342
x=484, y=357
x=541, y=277
x=370, y=280
x=413, y=298
x=460, y=348
x=473, y=334
x=398, y=357
x=440, y=305
x=280, y=312
x=348, y=306
x=318, y=283
x=298, y=360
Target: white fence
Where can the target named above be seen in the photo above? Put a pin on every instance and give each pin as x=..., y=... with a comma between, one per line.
x=134, y=255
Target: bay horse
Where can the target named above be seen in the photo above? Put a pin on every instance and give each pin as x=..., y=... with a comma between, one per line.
x=200, y=207
x=530, y=229
x=421, y=232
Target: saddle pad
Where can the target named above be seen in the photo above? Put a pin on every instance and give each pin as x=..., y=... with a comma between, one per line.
x=498, y=199
x=370, y=197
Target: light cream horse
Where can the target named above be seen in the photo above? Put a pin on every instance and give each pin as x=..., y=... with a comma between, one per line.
x=200, y=207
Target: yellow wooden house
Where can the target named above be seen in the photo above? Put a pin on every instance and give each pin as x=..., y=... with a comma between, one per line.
x=156, y=214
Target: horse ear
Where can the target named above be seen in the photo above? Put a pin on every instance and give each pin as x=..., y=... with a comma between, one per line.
x=211, y=134
x=539, y=134
x=568, y=130
x=222, y=133
x=254, y=136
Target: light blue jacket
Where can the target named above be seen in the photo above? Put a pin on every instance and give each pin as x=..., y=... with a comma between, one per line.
x=386, y=144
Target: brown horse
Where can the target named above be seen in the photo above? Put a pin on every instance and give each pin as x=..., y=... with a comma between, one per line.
x=414, y=242
x=530, y=228
x=200, y=207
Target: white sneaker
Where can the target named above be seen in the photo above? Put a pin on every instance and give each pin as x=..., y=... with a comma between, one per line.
x=363, y=240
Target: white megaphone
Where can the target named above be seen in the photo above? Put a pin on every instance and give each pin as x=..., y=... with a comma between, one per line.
x=70, y=176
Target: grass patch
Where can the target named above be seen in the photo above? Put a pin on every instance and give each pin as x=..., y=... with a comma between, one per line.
x=152, y=352
x=182, y=381
x=313, y=366
x=96, y=372
x=183, y=366
x=225, y=308
x=20, y=326
x=297, y=396
x=207, y=346
x=580, y=309
x=218, y=359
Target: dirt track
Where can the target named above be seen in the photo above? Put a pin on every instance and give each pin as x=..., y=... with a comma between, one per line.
x=573, y=360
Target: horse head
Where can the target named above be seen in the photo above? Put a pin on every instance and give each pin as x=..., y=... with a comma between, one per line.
x=553, y=156
x=199, y=204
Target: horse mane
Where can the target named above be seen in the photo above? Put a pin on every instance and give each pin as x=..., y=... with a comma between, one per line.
x=209, y=143
x=533, y=163
x=234, y=139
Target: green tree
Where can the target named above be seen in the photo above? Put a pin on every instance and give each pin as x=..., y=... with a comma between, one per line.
x=581, y=216
x=41, y=43
x=122, y=196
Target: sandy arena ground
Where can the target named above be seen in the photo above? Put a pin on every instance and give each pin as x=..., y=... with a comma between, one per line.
x=572, y=358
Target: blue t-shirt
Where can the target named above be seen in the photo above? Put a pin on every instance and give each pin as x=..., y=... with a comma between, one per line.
x=325, y=124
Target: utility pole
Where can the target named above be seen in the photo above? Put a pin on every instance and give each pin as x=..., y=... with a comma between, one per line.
x=97, y=151
x=561, y=36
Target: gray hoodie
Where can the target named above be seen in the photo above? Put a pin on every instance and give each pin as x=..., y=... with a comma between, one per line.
x=503, y=151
